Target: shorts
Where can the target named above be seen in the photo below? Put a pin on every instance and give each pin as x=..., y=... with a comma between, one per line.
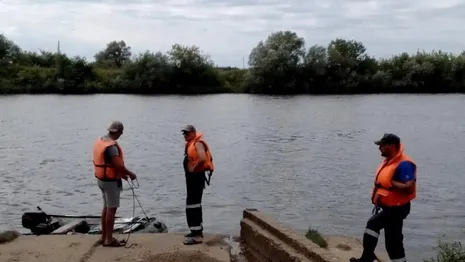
x=111, y=192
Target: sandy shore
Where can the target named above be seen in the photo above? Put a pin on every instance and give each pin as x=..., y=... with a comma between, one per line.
x=82, y=248
x=347, y=247
x=143, y=248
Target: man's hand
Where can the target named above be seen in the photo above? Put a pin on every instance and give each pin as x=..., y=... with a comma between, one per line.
x=132, y=176
x=124, y=176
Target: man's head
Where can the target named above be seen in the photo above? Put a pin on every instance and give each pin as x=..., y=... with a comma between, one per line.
x=389, y=145
x=189, y=132
x=115, y=130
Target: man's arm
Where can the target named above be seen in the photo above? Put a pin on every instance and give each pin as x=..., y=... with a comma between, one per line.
x=113, y=153
x=404, y=179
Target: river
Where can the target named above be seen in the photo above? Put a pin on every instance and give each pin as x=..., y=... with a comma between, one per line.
x=305, y=160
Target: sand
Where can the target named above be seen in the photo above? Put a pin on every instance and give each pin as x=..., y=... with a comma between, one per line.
x=347, y=247
x=82, y=248
x=145, y=248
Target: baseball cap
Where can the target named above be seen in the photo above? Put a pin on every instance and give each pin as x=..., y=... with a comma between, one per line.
x=116, y=126
x=188, y=128
x=388, y=139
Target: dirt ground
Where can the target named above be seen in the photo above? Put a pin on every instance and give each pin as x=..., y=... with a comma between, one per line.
x=347, y=247
x=144, y=248
x=82, y=248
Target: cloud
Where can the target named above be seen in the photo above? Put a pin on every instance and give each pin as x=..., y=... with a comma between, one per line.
x=229, y=29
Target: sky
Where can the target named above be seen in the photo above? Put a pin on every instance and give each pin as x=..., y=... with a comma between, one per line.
x=227, y=30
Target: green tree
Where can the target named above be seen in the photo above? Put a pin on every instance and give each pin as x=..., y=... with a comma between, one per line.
x=150, y=73
x=275, y=64
x=115, y=54
x=315, y=69
x=192, y=71
x=189, y=57
x=349, y=65
x=281, y=64
x=9, y=51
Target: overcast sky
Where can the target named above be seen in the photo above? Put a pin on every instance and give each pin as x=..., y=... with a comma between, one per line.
x=229, y=29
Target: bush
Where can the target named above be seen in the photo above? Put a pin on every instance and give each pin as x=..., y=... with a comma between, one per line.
x=8, y=236
x=316, y=238
x=448, y=251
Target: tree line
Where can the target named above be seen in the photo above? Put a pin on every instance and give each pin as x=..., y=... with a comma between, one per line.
x=281, y=64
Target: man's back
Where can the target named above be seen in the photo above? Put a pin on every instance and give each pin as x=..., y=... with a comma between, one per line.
x=110, y=151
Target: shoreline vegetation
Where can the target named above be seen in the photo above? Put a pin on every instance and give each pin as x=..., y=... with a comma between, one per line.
x=280, y=64
x=446, y=250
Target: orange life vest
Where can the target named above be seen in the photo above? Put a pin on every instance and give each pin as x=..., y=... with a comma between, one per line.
x=105, y=171
x=383, y=192
x=193, y=157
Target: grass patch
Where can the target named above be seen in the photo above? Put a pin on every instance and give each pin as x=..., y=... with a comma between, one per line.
x=8, y=236
x=448, y=251
x=316, y=238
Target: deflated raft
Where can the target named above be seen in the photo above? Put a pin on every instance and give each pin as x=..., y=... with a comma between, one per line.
x=40, y=223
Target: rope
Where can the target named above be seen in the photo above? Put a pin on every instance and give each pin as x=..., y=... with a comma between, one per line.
x=134, y=198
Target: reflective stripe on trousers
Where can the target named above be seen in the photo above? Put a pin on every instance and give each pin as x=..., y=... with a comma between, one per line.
x=391, y=220
x=196, y=228
x=193, y=206
x=371, y=233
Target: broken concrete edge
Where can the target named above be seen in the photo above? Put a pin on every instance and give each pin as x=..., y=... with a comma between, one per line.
x=298, y=242
x=264, y=246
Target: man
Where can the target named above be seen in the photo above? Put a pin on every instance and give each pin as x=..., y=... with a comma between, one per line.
x=109, y=169
x=395, y=187
x=197, y=161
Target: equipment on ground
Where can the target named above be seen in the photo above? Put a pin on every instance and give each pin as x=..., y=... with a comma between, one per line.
x=40, y=223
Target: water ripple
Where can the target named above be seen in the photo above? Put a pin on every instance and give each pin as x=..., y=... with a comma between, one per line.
x=304, y=160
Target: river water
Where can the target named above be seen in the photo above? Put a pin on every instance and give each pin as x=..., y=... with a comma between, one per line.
x=305, y=160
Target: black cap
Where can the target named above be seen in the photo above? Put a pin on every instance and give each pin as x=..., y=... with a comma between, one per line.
x=188, y=128
x=388, y=139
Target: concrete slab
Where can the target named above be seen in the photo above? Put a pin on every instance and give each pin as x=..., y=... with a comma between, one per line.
x=268, y=240
x=69, y=248
x=265, y=239
x=142, y=248
x=164, y=247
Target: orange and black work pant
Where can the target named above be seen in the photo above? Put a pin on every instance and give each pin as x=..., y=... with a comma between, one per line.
x=195, y=183
x=391, y=219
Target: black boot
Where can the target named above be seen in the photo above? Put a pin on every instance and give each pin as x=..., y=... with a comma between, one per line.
x=353, y=259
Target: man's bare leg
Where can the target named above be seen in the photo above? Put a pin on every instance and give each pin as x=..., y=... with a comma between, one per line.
x=103, y=218
x=109, y=223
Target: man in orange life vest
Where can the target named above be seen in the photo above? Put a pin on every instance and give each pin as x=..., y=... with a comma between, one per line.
x=395, y=187
x=109, y=169
x=197, y=161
